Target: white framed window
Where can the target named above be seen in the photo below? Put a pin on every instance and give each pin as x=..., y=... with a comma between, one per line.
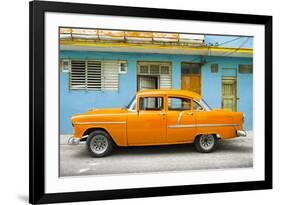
x=162, y=70
x=143, y=69
x=100, y=75
x=154, y=68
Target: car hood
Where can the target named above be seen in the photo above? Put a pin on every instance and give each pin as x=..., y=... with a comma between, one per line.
x=99, y=113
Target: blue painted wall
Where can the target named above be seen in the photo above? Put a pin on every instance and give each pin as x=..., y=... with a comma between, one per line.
x=212, y=85
x=79, y=101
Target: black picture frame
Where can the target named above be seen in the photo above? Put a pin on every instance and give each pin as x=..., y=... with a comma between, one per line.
x=37, y=9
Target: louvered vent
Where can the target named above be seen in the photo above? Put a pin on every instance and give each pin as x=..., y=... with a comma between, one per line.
x=78, y=74
x=94, y=75
x=165, y=70
x=110, y=75
x=94, y=70
x=165, y=81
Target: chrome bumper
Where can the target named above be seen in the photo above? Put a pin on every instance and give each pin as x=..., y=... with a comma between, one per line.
x=73, y=141
x=76, y=141
x=241, y=133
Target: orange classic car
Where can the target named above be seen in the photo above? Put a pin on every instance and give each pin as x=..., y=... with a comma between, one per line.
x=157, y=117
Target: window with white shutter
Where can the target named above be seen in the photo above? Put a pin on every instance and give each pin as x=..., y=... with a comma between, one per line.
x=78, y=74
x=94, y=75
x=110, y=73
x=163, y=70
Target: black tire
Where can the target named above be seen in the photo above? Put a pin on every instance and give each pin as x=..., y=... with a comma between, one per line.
x=99, y=143
x=206, y=143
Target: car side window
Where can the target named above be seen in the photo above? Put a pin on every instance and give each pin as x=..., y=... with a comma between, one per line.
x=179, y=104
x=151, y=103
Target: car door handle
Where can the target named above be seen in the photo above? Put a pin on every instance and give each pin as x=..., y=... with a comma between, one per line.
x=190, y=113
x=162, y=113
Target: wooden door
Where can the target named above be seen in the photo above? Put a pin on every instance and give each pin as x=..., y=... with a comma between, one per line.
x=229, y=97
x=191, y=77
x=192, y=83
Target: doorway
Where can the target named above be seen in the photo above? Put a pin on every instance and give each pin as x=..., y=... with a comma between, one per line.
x=229, y=93
x=191, y=77
x=147, y=82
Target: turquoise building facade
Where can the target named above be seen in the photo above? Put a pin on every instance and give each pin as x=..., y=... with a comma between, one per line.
x=78, y=101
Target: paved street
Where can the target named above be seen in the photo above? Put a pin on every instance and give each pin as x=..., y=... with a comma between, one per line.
x=75, y=159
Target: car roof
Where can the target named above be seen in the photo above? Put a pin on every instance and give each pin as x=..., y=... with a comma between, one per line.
x=175, y=92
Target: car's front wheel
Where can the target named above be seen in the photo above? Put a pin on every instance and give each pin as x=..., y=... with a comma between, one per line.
x=206, y=143
x=99, y=143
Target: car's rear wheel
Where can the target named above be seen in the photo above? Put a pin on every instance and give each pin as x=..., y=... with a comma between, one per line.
x=99, y=143
x=206, y=143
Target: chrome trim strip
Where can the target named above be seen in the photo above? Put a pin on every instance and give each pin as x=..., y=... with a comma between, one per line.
x=216, y=125
x=202, y=125
x=181, y=126
x=94, y=115
x=92, y=123
x=179, y=118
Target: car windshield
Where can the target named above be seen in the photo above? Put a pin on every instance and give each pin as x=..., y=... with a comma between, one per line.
x=131, y=102
x=205, y=105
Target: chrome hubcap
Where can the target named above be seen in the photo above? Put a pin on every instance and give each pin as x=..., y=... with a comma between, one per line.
x=207, y=141
x=99, y=144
